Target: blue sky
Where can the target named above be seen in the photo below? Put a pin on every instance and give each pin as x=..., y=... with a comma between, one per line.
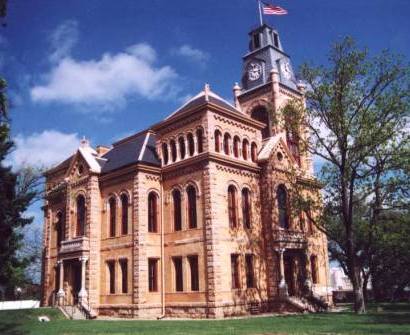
x=105, y=69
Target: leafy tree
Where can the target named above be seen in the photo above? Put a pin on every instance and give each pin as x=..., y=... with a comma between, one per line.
x=14, y=200
x=390, y=272
x=356, y=115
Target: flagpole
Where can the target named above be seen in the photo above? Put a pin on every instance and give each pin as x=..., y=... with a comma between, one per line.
x=260, y=12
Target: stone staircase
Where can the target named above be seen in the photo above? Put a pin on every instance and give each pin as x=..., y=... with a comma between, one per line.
x=73, y=312
x=310, y=304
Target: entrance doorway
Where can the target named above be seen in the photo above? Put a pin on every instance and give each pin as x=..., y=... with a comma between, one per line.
x=72, y=280
x=294, y=272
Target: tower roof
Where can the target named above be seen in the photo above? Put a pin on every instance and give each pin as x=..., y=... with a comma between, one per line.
x=203, y=97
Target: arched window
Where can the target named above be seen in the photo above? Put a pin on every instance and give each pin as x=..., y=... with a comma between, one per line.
x=152, y=212
x=245, y=149
x=313, y=265
x=218, y=137
x=236, y=143
x=113, y=215
x=192, y=217
x=60, y=228
x=200, y=139
x=227, y=143
x=181, y=142
x=80, y=228
x=233, y=220
x=165, y=153
x=254, y=152
x=292, y=139
x=282, y=197
x=176, y=197
x=261, y=114
x=173, y=150
x=124, y=214
x=246, y=208
x=191, y=144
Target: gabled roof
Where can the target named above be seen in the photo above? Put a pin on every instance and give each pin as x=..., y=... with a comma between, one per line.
x=91, y=157
x=271, y=145
x=137, y=148
x=203, y=97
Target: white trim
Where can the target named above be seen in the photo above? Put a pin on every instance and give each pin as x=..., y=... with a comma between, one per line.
x=144, y=146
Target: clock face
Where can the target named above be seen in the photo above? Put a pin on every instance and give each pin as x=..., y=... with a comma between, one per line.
x=286, y=70
x=254, y=71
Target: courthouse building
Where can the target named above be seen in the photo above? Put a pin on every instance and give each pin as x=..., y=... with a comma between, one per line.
x=191, y=217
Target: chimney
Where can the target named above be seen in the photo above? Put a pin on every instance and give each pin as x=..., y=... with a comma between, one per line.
x=102, y=150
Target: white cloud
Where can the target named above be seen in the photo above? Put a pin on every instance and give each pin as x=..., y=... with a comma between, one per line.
x=43, y=149
x=62, y=40
x=143, y=51
x=108, y=81
x=192, y=54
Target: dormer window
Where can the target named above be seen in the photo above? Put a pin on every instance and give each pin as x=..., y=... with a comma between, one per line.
x=80, y=169
x=276, y=40
x=256, y=41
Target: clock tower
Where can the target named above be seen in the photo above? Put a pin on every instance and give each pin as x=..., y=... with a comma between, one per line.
x=266, y=54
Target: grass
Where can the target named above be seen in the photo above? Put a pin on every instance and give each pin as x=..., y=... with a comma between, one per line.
x=393, y=319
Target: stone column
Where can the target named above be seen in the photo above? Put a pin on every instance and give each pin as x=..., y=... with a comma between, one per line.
x=308, y=272
x=178, y=150
x=194, y=135
x=60, y=293
x=82, y=295
x=283, y=287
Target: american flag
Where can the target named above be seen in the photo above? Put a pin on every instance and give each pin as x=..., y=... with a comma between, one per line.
x=269, y=9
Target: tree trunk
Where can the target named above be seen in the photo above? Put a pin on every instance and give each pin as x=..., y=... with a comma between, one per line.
x=359, y=305
x=365, y=292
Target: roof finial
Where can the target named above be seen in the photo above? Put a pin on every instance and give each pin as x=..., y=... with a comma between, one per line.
x=84, y=142
x=207, y=89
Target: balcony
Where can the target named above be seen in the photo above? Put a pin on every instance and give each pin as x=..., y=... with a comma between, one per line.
x=77, y=244
x=289, y=236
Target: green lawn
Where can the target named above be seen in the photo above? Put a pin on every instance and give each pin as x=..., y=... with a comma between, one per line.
x=394, y=319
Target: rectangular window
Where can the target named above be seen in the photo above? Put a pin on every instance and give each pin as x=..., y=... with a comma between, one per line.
x=250, y=280
x=193, y=265
x=235, y=271
x=276, y=40
x=153, y=274
x=179, y=283
x=256, y=41
x=111, y=275
x=124, y=275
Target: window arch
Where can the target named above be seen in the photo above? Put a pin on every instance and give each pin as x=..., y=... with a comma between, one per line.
x=176, y=197
x=232, y=210
x=192, y=212
x=261, y=114
x=152, y=212
x=313, y=265
x=292, y=140
x=236, y=143
x=227, y=143
x=254, y=152
x=246, y=208
x=124, y=214
x=60, y=227
x=282, y=197
x=218, y=137
x=181, y=142
x=80, y=226
x=191, y=144
x=165, y=153
x=200, y=139
x=245, y=149
x=173, y=150
x=112, y=204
